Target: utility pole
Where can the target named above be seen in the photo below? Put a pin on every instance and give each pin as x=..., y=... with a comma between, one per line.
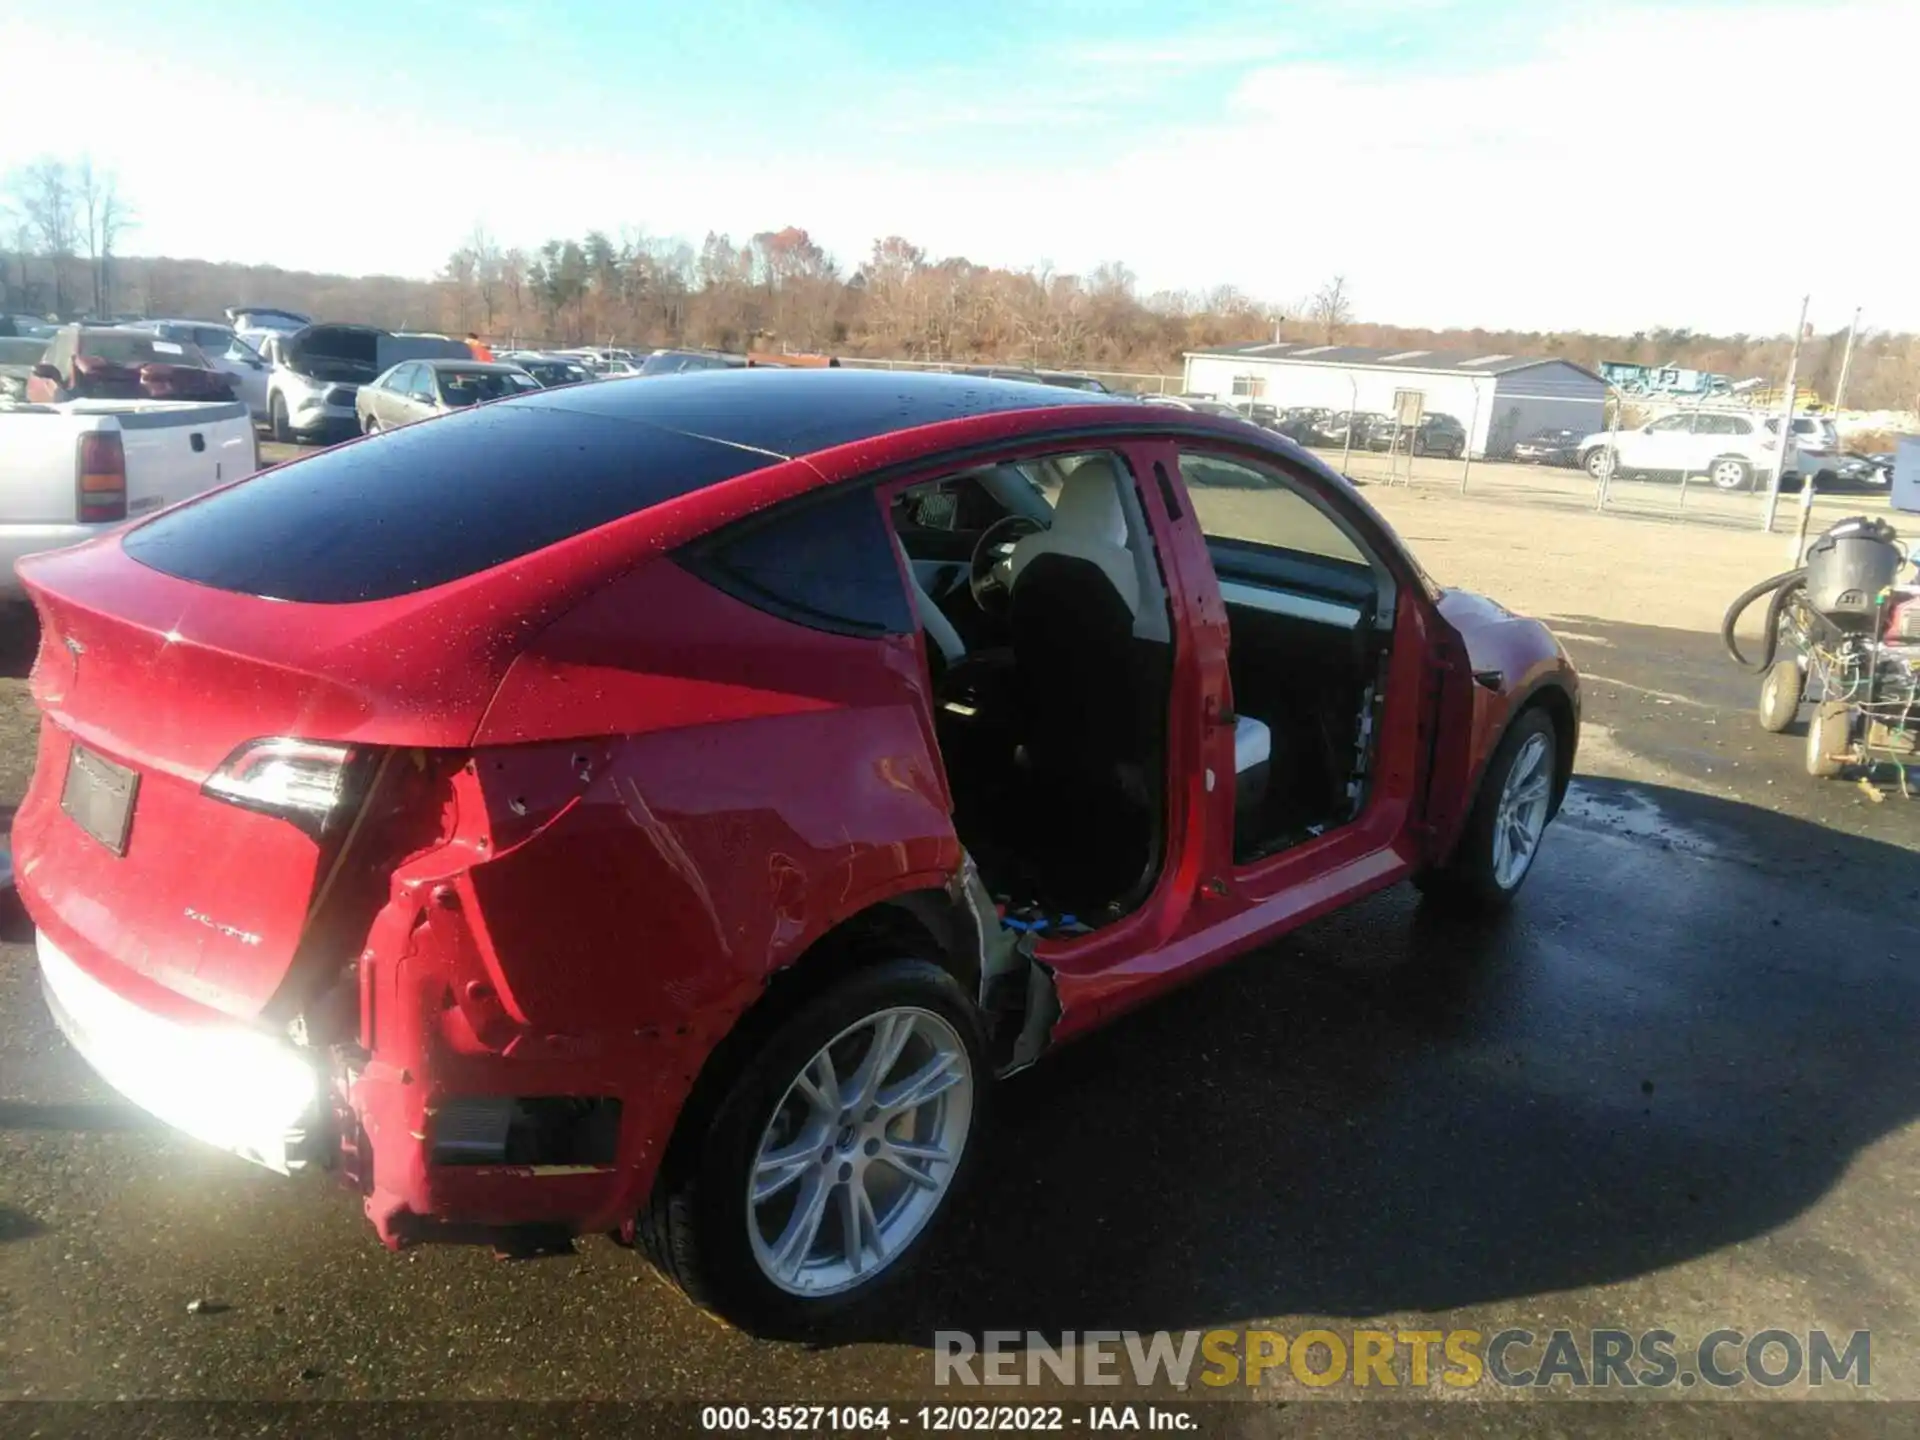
x=1786, y=417
x=1846, y=364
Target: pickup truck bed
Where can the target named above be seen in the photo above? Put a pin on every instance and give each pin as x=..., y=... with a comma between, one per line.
x=57, y=464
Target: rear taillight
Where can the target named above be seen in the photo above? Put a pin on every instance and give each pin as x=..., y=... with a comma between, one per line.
x=305, y=781
x=100, y=483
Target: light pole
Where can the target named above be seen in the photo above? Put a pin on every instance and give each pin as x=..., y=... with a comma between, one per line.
x=1786, y=418
x=1846, y=364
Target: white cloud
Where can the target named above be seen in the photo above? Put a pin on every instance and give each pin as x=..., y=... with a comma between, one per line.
x=1701, y=168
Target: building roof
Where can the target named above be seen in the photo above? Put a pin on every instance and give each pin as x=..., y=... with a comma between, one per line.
x=1376, y=357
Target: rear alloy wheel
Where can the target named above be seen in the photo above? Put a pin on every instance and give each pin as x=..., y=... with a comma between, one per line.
x=823, y=1172
x=1598, y=462
x=1729, y=473
x=372, y=427
x=1502, y=837
x=1829, y=739
x=1780, y=696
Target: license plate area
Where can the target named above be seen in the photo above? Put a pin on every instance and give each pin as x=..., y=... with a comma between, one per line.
x=98, y=796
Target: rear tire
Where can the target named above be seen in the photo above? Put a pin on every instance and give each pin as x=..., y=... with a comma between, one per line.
x=705, y=1233
x=1780, y=696
x=372, y=427
x=282, y=426
x=1516, y=798
x=1829, y=739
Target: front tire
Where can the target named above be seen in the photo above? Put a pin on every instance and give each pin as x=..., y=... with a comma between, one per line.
x=822, y=1175
x=1496, y=851
x=1729, y=473
x=1780, y=696
x=1599, y=462
x=1829, y=739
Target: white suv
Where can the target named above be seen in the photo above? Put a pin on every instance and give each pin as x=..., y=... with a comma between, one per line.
x=1816, y=441
x=1735, y=451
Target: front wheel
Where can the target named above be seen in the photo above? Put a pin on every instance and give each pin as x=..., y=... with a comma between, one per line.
x=1780, y=695
x=821, y=1174
x=1728, y=473
x=1496, y=851
x=1599, y=462
x=1829, y=739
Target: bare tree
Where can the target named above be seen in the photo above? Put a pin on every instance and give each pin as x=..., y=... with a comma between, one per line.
x=489, y=267
x=43, y=193
x=103, y=217
x=1331, y=310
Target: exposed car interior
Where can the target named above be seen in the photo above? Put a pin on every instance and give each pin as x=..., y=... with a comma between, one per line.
x=1309, y=616
x=1049, y=645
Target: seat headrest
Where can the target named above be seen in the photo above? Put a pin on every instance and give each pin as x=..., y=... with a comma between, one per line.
x=1088, y=509
x=1088, y=524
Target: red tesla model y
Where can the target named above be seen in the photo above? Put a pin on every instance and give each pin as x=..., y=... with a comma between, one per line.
x=667, y=806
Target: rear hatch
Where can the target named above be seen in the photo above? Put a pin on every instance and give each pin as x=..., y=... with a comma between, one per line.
x=174, y=826
x=213, y=681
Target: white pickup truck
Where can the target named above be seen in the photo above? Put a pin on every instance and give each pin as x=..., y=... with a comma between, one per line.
x=77, y=469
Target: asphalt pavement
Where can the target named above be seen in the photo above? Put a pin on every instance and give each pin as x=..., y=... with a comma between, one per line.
x=1675, y=1088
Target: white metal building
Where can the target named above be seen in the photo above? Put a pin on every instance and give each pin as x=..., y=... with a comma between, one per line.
x=1499, y=398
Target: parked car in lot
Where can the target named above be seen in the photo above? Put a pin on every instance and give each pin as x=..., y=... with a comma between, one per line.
x=1816, y=442
x=675, y=362
x=1331, y=429
x=1859, y=473
x=1066, y=380
x=117, y=363
x=226, y=352
x=1734, y=451
x=257, y=324
x=668, y=809
x=1297, y=422
x=422, y=389
x=1437, y=434
x=80, y=468
x=550, y=370
x=1549, y=447
x=317, y=375
x=1198, y=404
x=18, y=356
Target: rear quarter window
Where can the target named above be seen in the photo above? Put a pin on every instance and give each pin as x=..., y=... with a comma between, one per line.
x=429, y=504
x=826, y=562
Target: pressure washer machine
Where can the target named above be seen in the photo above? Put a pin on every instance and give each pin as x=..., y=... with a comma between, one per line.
x=1854, y=632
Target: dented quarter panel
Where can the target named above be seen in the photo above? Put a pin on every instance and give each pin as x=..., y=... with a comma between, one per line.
x=640, y=846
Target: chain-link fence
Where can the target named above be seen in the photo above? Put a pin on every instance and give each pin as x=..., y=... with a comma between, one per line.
x=1131, y=381
x=1700, y=460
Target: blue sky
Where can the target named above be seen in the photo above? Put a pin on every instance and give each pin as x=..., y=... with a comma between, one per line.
x=1541, y=164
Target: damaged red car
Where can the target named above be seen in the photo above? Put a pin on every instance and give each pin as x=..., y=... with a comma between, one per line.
x=666, y=807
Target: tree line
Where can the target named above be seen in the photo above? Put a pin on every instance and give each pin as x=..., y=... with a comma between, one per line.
x=781, y=289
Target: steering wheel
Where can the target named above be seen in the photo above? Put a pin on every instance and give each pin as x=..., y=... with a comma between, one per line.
x=990, y=575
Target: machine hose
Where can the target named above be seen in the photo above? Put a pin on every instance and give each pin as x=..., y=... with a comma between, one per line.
x=1783, y=585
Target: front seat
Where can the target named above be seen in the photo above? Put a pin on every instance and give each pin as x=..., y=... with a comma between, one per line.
x=1075, y=595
